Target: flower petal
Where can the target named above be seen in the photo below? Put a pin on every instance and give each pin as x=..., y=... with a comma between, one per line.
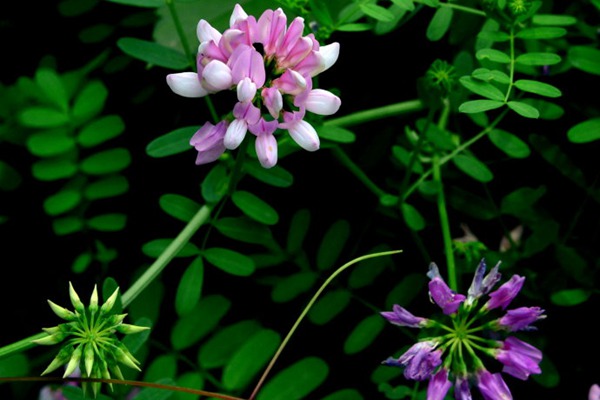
x=186, y=84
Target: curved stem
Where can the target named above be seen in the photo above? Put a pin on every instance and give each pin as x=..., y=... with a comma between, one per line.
x=180, y=32
x=346, y=161
x=307, y=308
x=377, y=113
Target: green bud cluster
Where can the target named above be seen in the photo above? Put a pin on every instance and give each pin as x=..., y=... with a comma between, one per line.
x=91, y=341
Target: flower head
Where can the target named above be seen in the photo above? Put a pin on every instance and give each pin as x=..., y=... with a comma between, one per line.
x=270, y=66
x=92, y=345
x=451, y=351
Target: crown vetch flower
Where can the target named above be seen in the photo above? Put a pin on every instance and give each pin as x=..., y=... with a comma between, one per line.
x=92, y=345
x=451, y=351
x=594, y=393
x=270, y=65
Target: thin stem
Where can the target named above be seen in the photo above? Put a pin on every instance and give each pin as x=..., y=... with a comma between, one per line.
x=21, y=345
x=347, y=162
x=307, y=308
x=512, y=63
x=377, y=113
x=180, y=32
x=463, y=8
x=166, y=256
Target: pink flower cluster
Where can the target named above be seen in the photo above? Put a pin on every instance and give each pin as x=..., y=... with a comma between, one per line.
x=270, y=65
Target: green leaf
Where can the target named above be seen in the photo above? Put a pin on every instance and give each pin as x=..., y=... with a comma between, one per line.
x=156, y=247
x=550, y=377
x=215, y=184
x=570, y=297
x=174, y=142
x=250, y=359
x=543, y=89
x=188, y=380
x=585, y=132
x=473, y=167
x=355, y=27
x=406, y=290
x=101, y=130
x=10, y=179
x=290, y=287
x=163, y=366
x=547, y=109
x=190, y=287
x=50, y=143
x=377, y=12
x=538, y=59
x=153, y=53
x=555, y=20
x=218, y=350
x=76, y=393
x=298, y=229
x=53, y=169
x=541, y=33
x=336, y=134
x=332, y=244
x=366, y=271
x=404, y=156
x=509, y=143
x=484, y=89
x=229, y=261
x=523, y=109
x=493, y=55
x=521, y=200
x=179, y=207
x=412, y=217
x=61, y=202
x=485, y=74
x=493, y=36
x=439, y=24
x=106, y=162
x=471, y=204
x=90, y=101
x=585, y=58
x=245, y=230
x=43, y=117
x=141, y=3
x=477, y=106
x=67, y=225
x=328, y=306
x=276, y=176
x=344, y=394
x=296, y=381
x=364, y=334
x=106, y=187
x=254, y=207
x=189, y=329
x=14, y=365
x=81, y=262
x=107, y=222
x=53, y=88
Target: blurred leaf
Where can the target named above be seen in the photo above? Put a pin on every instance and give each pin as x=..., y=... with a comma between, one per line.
x=288, y=288
x=140, y=3
x=356, y=27
x=585, y=132
x=96, y=33
x=471, y=204
x=585, y=58
x=539, y=33
x=439, y=24
x=76, y=393
x=328, y=306
x=549, y=377
x=484, y=89
x=554, y=155
x=192, y=327
x=403, y=155
x=572, y=263
x=406, y=290
x=178, y=207
x=493, y=36
x=298, y=227
x=53, y=168
x=43, y=117
x=81, y=262
x=296, y=381
x=67, y=225
x=332, y=244
x=245, y=230
x=190, y=287
x=477, y=106
x=556, y=20
x=154, y=248
x=544, y=234
x=229, y=261
x=90, y=101
x=250, y=359
x=50, y=143
x=254, y=207
x=336, y=134
x=547, y=109
x=218, y=350
x=412, y=217
x=543, y=89
x=135, y=341
x=101, y=130
x=14, y=365
x=364, y=334
x=107, y=222
x=377, y=12
x=189, y=380
x=487, y=75
x=61, y=202
x=53, y=88
x=174, y=142
x=473, y=167
x=276, y=176
x=344, y=394
x=163, y=366
x=10, y=179
x=215, y=184
x=538, y=59
x=153, y=53
x=523, y=109
x=509, y=143
x=366, y=271
x=106, y=162
x=570, y=297
x=106, y=187
x=521, y=200
x=149, y=393
x=493, y=55
x=408, y=5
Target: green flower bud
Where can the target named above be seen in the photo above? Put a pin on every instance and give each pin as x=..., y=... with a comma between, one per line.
x=94, y=300
x=61, y=358
x=125, y=357
x=89, y=358
x=79, y=307
x=74, y=361
x=62, y=312
x=128, y=329
x=109, y=303
x=51, y=339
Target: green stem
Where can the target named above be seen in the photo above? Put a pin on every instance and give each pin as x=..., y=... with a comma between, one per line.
x=347, y=162
x=166, y=256
x=512, y=63
x=21, y=345
x=180, y=32
x=377, y=113
x=307, y=308
x=463, y=8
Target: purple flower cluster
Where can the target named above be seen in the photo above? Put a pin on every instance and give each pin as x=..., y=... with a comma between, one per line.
x=452, y=355
x=270, y=65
